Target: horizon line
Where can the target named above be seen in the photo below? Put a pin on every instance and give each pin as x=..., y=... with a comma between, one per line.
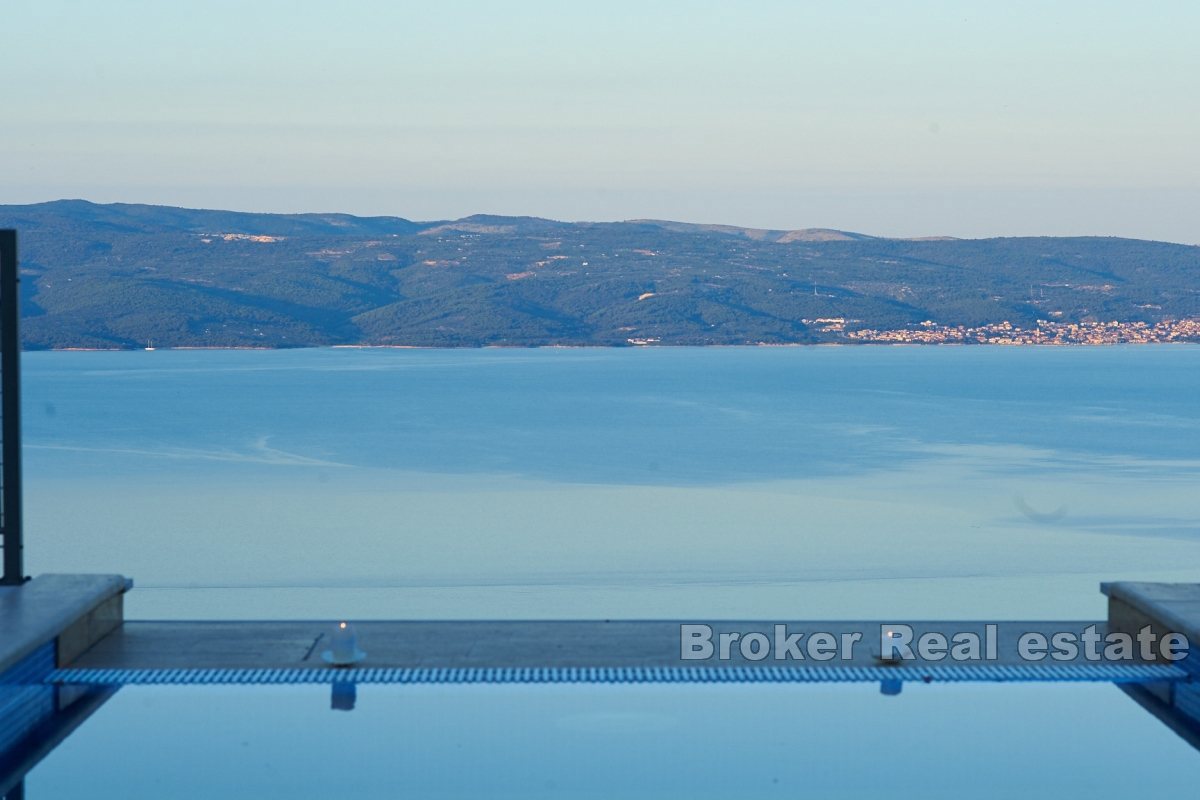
x=632, y=220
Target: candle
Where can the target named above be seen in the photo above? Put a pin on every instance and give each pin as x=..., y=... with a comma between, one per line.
x=343, y=646
x=889, y=647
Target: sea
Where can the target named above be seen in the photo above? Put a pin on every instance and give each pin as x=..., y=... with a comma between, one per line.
x=774, y=484
x=683, y=483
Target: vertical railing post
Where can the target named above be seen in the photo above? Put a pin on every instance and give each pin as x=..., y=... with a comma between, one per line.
x=10, y=411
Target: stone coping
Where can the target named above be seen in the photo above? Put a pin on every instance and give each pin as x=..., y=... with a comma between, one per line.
x=40, y=610
x=1174, y=606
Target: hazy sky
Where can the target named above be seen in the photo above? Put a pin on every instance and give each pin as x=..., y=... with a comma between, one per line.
x=892, y=118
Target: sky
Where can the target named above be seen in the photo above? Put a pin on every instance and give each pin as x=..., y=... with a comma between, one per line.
x=896, y=119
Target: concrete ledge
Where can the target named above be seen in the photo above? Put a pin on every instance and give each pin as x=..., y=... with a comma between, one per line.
x=74, y=610
x=485, y=644
x=1166, y=607
x=93, y=626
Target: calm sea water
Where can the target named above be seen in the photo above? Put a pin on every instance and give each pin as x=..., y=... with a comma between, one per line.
x=722, y=482
x=752, y=483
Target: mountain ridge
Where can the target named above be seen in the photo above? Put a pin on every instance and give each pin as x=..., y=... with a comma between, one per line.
x=118, y=275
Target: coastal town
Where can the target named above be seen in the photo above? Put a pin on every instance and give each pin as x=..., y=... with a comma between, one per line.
x=1046, y=332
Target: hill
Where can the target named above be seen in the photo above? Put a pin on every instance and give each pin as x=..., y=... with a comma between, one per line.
x=121, y=275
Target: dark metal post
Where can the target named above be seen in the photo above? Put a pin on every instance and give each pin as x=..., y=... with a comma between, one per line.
x=10, y=411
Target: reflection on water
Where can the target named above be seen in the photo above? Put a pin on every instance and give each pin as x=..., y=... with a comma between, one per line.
x=342, y=696
x=37, y=718
x=829, y=741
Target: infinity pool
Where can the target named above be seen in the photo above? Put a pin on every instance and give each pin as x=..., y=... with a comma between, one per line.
x=591, y=741
x=672, y=484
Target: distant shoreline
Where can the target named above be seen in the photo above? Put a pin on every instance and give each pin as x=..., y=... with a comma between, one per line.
x=855, y=345
x=836, y=334
x=119, y=276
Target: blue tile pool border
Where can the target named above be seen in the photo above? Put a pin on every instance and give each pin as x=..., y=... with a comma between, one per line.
x=1109, y=673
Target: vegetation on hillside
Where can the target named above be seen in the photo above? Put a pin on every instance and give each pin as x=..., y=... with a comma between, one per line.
x=123, y=275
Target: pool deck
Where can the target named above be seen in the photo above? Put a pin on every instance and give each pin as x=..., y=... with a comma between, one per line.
x=82, y=614
x=64, y=649
x=497, y=644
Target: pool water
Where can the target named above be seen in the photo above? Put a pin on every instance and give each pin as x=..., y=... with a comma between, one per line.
x=629, y=741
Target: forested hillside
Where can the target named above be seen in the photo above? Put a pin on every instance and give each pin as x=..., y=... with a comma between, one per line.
x=124, y=275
